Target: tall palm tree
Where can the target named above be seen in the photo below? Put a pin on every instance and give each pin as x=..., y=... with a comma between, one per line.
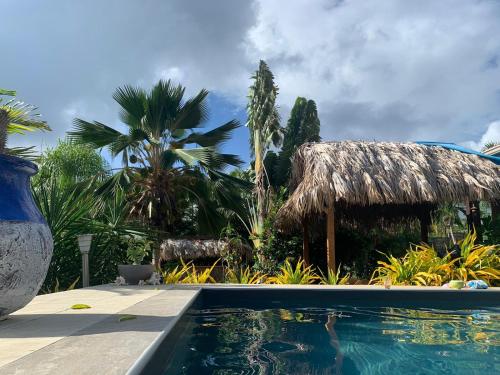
x=164, y=157
x=17, y=118
x=264, y=125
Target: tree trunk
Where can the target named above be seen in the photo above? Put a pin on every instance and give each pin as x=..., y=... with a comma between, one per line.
x=4, y=122
x=156, y=221
x=330, y=239
x=259, y=180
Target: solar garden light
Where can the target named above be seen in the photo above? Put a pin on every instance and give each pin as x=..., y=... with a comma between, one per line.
x=84, y=241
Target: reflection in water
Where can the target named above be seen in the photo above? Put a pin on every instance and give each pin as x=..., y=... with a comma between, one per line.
x=344, y=340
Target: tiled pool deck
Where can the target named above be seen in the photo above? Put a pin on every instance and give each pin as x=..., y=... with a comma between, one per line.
x=48, y=337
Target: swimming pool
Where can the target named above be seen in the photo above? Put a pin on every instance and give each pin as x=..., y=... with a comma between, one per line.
x=329, y=331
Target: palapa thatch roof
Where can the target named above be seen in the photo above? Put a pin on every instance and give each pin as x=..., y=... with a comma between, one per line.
x=191, y=249
x=377, y=174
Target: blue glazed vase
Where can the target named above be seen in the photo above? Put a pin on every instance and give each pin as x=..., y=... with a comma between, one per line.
x=25, y=239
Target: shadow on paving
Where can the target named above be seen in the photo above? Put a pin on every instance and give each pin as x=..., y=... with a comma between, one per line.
x=55, y=325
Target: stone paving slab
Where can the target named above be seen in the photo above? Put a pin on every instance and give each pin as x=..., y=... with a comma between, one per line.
x=47, y=337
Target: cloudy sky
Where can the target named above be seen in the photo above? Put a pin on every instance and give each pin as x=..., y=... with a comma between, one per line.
x=381, y=69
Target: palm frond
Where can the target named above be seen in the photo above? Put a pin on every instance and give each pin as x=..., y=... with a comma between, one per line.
x=23, y=118
x=193, y=113
x=133, y=103
x=96, y=134
x=194, y=156
x=28, y=153
x=213, y=137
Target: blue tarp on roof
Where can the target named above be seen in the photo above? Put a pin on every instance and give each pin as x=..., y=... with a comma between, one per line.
x=453, y=146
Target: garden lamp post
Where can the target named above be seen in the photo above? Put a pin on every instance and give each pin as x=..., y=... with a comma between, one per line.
x=84, y=241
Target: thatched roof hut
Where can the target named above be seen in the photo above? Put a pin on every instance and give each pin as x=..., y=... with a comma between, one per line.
x=196, y=248
x=349, y=175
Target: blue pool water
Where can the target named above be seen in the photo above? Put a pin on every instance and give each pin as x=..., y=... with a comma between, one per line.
x=340, y=340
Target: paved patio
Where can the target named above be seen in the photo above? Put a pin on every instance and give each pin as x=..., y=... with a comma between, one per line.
x=48, y=337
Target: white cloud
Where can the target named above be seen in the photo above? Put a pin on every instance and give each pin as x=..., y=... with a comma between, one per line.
x=492, y=134
x=397, y=70
x=386, y=69
x=174, y=73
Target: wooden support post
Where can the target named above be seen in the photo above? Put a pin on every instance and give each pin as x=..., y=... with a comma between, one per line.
x=330, y=239
x=305, y=243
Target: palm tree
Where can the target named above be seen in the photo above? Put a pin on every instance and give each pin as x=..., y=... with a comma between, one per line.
x=264, y=125
x=17, y=118
x=165, y=159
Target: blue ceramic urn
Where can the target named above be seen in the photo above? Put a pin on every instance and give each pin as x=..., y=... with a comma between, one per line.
x=25, y=239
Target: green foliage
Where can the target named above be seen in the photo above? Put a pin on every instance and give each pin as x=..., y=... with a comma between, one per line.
x=422, y=266
x=334, y=278
x=263, y=116
x=137, y=249
x=360, y=250
x=72, y=163
x=289, y=274
x=491, y=230
x=17, y=117
x=244, y=276
x=233, y=249
x=169, y=166
x=477, y=261
x=187, y=273
x=175, y=275
x=445, y=218
x=76, y=210
x=193, y=276
x=303, y=126
x=264, y=126
x=275, y=246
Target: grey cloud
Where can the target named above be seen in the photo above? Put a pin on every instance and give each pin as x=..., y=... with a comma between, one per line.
x=67, y=57
x=396, y=69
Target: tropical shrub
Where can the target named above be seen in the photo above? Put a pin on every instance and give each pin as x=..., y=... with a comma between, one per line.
x=244, y=276
x=70, y=211
x=233, y=248
x=193, y=276
x=71, y=163
x=477, y=261
x=334, y=278
x=177, y=274
x=288, y=274
x=275, y=246
x=422, y=266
